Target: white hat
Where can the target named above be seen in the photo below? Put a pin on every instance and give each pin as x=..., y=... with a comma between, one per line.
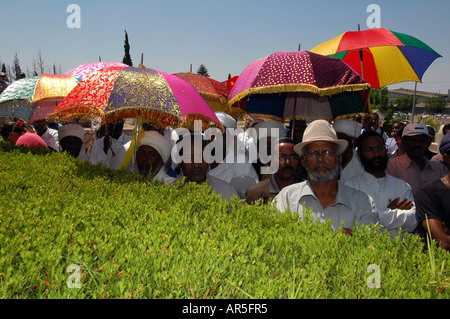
x=320, y=130
x=271, y=128
x=226, y=120
x=348, y=127
x=158, y=142
x=413, y=129
x=71, y=129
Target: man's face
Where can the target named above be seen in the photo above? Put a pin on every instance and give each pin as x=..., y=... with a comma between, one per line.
x=373, y=154
x=322, y=161
x=148, y=160
x=72, y=145
x=415, y=146
x=288, y=161
x=395, y=128
x=40, y=127
x=116, y=129
x=195, y=172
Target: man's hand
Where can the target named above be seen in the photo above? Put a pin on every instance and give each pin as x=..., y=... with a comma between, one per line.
x=403, y=204
x=347, y=231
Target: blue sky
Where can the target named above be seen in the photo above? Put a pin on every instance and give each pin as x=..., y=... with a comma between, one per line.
x=225, y=36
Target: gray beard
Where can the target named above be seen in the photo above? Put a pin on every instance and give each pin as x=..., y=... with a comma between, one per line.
x=316, y=177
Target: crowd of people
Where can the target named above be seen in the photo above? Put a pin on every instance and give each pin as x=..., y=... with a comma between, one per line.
x=346, y=170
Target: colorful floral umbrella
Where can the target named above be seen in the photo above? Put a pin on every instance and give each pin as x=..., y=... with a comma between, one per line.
x=142, y=93
x=83, y=70
x=32, y=98
x=381, y=56
x=264, y=86
x=231, y=81
x=214, y=92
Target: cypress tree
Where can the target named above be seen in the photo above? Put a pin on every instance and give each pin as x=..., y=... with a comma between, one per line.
x=127, y=57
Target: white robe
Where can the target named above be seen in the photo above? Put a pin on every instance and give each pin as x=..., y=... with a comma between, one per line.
x=383, y=191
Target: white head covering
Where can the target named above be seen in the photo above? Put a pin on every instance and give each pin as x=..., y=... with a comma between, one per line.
x=271, y=127
x=320, y=130
x=348, y=127
x=71, y=129
x=158, y=142
x=226, y=120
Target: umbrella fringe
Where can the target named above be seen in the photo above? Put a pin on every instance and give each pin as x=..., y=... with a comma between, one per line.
x=154, y=114
x=74, y=111
x=286, y=88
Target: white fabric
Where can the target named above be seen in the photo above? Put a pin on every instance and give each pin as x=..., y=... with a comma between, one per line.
x=383, y=191
x=226, y=190
x=348, y=127
x=234, y=165
x=50, y=138
x=71, y=129
x=163, y=177
x=270, y=128
x=352, y=169
x=158, y=142
x=113, y=158
x=226, y=120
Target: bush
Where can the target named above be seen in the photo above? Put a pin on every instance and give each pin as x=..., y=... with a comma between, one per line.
x=123, y=237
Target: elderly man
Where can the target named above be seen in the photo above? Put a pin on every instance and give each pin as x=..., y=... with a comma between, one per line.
x=328, y=197
x=288, y=163
x=197, y=171
x=71, y=140
x=413, y=166
x=153, y=152
x=232, y=164
x=433, y=203
x=392, y=196
x=349, y=130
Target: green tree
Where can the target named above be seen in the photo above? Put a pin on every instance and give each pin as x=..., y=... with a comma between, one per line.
x=202, y=70
x=127, y=58
x=435, y=104
x=16, y=66
x=403, y=103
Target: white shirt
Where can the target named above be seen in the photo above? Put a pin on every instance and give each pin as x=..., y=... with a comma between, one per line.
x=163, y=177
x=383, y=191
x=352, y=169
x=350, y=206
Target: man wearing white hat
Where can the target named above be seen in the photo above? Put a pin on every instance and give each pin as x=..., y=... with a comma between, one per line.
x=153, y=152
x=413, y=166
x=71, y=140
x=329, y=198
x=349, y=130
x=234, y=163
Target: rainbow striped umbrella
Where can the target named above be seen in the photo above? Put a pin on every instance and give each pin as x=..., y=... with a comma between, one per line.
x=381, y=56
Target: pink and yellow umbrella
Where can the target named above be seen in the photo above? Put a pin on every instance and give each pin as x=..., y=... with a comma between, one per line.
x=142, y=93
x=83, y=70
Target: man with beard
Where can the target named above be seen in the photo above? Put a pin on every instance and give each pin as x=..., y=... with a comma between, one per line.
x=288, y=164
x=413, y=166
x=392, y=196
x=152, y=154
x=329, y=198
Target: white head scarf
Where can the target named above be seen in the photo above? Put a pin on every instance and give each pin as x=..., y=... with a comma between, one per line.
x=158, y=142
x=71, y=129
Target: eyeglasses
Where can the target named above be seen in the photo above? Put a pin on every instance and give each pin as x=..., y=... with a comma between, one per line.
x=292, y=157
x=371, y=149
x=324, y=154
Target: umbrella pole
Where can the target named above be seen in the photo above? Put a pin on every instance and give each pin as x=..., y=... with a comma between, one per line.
x=414, y=102
x=361, y=58
x=293, y=116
